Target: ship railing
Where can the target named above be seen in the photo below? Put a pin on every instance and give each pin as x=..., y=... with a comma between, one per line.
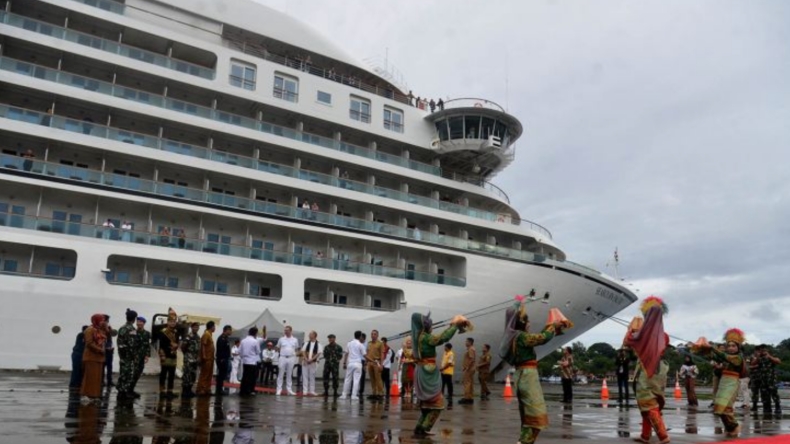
x=472, y=102
x=114, y=281
x=107, y=5
x=363, y=307
x=169, y=240
x=91, y=41
x=35, y=275
x=257, y=206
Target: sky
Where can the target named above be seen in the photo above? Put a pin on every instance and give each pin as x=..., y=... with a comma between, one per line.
x=660, y=128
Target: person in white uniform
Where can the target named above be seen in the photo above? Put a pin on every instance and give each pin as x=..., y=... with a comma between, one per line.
x=235, y=363
x=352, y=363
x=286, y=347
x=311, y=353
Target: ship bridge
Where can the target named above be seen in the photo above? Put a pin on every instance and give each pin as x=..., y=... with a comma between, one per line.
x=474, y=136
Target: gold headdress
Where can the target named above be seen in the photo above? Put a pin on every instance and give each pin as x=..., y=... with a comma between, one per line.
x=735, y=335
x=171, y=314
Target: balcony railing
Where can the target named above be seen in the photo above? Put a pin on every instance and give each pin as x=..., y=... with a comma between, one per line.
x=234, y=250
x=132, y=52
x=107, y=5
x=256, y=206
x=177, y=105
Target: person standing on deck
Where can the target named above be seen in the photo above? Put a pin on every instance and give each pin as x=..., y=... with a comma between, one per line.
x=468, y=367
x=286, y=347
x=484, y=371
x=142, y=352
x=223, y=359
x=127, y=345
x=206, y=360
x=190, y=346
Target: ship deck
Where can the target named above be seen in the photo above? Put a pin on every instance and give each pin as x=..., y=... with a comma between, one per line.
x=36, y=408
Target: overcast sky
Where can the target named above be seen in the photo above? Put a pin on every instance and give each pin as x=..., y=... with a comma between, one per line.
x=660, y=127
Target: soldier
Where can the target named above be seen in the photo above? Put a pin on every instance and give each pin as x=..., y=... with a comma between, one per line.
x=484, y=371
x=766, y=369
x=468, y=367
x=333, y=353
x=142, y=352
x=127, y=342
x=190, y=346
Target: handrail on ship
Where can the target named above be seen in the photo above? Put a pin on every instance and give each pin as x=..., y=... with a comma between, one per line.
x=41, y=223
x=472, y=102
x=73, y=173
x=63, y=77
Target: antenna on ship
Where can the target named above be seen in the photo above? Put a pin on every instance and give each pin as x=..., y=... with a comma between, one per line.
x=615, y=264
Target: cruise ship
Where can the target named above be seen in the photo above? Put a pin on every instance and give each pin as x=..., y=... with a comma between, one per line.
x=223, y=159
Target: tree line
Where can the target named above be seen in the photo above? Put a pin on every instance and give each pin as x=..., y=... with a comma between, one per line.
x=598, y=360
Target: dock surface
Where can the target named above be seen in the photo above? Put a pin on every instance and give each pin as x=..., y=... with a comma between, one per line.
x=37, y=408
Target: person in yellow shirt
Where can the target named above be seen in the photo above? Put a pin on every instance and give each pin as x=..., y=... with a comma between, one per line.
x=448, y=369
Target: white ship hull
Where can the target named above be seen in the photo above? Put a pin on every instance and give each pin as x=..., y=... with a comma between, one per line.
x=33, y=307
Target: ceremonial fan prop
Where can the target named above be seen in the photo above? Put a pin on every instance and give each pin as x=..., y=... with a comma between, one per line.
x=636, y=324
x=559, y=320
x=463, y=324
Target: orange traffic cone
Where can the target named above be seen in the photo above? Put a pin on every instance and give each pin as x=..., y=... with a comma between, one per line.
x=394, y=389
x=604, y=391
x=678, y=394
x=508, y=389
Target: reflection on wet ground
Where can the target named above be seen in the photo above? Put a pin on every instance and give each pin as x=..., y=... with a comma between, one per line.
x=32, y=410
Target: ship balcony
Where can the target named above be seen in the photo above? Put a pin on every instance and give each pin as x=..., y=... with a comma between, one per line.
x=474, y=136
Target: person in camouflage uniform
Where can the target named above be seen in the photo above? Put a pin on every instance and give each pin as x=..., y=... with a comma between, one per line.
x=190, y=346
x=333, y=353
x=142, y=352
x=127, y=342
x=764, y=371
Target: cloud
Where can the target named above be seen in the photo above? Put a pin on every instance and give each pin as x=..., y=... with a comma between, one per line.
x=658, y=127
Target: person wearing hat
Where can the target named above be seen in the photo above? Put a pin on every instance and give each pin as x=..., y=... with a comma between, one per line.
x=733, y=367
x=428, y=383
x=518, y=349
x=127, y=344
x=648, y=343
x=168, y=354
x=190, y=347
x=142, y=352
x=333, y=353
x=93, y=357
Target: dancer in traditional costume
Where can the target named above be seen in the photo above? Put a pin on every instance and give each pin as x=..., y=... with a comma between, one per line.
x=407, y=368
x=518, y=349
x=427, y=382
x=648, y=341
x=733, y=368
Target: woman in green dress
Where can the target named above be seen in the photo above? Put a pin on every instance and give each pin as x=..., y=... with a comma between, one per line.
x=427, y=381
x=518, y=349
x=734, y=369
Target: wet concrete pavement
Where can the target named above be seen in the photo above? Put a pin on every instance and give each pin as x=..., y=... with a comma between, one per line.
x=35, y=408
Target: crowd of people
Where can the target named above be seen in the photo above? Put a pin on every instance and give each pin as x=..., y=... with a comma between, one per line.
x=257, y=360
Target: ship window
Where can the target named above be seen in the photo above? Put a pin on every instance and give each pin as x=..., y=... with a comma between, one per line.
x=393, y=119
x=10, y=266
x=260, y=290
x=441, y=130
x=456, y=127
x=286, y=88
x=215, y=287
x=359, y=110
x=472, y=127
x=376, y=303
x=242, y=75
x=339, y=299
x=324, y=97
